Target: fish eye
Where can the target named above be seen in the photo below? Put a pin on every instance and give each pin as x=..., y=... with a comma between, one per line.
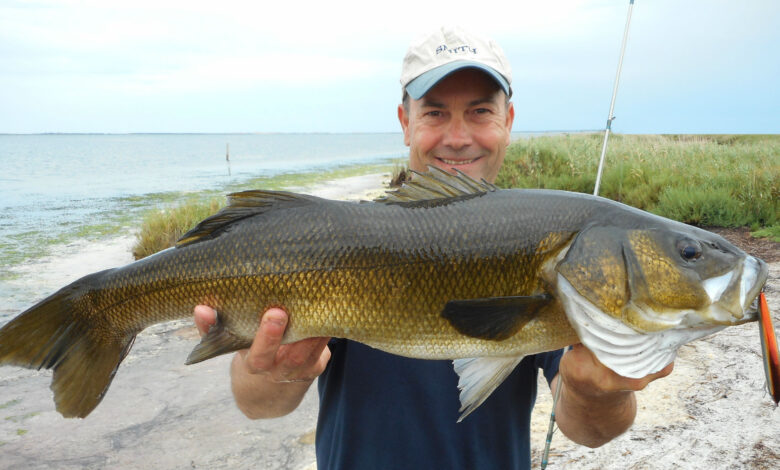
x=689, y=250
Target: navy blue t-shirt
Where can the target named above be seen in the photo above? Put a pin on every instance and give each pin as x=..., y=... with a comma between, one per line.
x=382, y=411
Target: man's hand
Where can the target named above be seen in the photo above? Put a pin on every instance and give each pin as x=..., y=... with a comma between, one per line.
x=596, y=404
x=583, y=372
x=269, y=379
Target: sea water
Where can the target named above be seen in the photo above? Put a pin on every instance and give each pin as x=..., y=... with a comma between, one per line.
x=58, y=190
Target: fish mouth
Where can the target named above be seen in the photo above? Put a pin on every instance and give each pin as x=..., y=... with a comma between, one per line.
x=754, y=276
x=734, y=295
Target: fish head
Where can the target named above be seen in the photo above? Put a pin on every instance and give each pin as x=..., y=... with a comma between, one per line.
x=664, y=284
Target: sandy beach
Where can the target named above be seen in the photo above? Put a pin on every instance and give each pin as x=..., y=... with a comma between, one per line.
x=712, y=412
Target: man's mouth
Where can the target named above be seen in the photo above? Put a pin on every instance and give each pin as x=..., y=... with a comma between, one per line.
x=457, y=162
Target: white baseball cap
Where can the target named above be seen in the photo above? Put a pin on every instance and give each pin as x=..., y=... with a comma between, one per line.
x=447, y=50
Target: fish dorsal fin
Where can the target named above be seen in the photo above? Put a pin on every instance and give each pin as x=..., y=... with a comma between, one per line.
x=436, y=187
x=240, y=206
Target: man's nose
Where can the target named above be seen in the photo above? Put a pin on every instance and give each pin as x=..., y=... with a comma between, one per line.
x=458, y=133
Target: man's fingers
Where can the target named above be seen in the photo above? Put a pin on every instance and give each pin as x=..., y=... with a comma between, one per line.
x=262, y=353
x=301, y=361
x=302, y=355
x=205, y=317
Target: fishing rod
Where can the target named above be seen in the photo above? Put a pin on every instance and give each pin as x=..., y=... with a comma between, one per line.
x=610, y=118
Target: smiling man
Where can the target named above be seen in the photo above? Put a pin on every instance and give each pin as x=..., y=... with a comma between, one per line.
x=456, y=111
x=381, y=411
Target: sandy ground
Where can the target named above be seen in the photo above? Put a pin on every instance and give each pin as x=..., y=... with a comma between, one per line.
x=712, y=412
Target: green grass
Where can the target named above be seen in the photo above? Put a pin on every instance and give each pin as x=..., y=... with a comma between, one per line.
x=706, y=180
x=161, y=228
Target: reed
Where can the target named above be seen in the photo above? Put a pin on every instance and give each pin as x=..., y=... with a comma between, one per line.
x=161, y=228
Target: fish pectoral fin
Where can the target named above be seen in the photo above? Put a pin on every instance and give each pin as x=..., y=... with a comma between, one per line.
x=478, y=377
x=219, y=340
x=494, y=318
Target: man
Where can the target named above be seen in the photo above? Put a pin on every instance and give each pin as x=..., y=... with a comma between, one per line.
x=378, y=410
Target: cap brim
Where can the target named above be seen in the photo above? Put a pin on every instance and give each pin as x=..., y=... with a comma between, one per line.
x=421, y=85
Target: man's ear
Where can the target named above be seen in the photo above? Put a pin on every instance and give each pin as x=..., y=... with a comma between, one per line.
x=403, y=118
x=510, y=118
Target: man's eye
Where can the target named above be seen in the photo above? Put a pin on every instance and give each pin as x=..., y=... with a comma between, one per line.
x=482, y=111
x=433, y=113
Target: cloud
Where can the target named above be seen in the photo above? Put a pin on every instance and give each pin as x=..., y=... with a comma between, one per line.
x=98, y=56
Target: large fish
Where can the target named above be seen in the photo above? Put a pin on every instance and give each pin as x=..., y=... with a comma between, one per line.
x=445, y=268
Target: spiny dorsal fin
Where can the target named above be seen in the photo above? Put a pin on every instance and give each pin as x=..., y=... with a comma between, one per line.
x=436, y=187
x=240, y=206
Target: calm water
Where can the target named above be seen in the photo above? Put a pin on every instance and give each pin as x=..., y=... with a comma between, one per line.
x=56, y=189
x=61, y=189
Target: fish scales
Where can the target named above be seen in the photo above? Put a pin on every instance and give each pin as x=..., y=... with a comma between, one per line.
x=445, y=268
x=370, y=272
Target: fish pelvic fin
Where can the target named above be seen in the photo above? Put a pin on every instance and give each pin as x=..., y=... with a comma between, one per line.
x=479, y=377
x=436, y=187
x=242, y=205
x=57, y=334
x=219, y=340
x=494, y=318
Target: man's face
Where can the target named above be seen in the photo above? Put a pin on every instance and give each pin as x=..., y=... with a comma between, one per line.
x=462, y=123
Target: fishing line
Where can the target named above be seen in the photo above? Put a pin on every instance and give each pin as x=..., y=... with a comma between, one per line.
x=610, y=118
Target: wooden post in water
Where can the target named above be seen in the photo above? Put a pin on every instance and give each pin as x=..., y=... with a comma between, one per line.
x=227, y=156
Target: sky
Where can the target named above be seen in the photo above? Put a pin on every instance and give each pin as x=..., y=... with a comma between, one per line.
x=693, y=66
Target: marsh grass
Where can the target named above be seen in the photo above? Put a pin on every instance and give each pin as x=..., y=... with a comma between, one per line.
x=707, y=180
x=161, y=228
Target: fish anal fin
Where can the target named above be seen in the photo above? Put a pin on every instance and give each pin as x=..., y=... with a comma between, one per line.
x=494, y=318
x=479, y=377
x=219, y=340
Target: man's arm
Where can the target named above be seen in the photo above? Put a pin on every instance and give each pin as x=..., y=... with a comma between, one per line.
x=270, y=379
x=596, y=404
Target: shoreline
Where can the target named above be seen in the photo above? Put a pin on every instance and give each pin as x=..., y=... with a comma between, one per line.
x=712, y=411
x=155, y=402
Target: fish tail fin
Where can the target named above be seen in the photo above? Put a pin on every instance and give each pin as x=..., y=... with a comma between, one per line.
x=58, y=333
